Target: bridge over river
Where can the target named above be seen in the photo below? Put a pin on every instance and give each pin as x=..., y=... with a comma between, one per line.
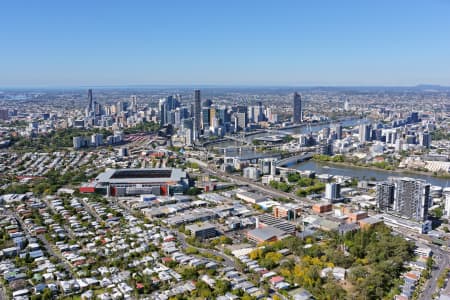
x=294, y=159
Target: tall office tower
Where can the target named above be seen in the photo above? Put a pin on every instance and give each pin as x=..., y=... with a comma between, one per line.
x=297, y=115
x=121, y=106
x=178, y=118
x=90, y=107
x=4, y=114
x=271, y=116
x=385, y=196
x=170, y=115
x=326, y=132
x=187, y=127
x=133, y=105
x=411, y=198
x=414, y=117
x=268, y=113
x=364, y=133
x=98, y=109
x=224, y=118
x=213, y=121
x=171, y=103
x=260, y=112
x=425, y=139
x=224, y=115
x=338, y=130
x=162, y=111
x=197, y=114
x=240, y=121
x=113, y=109
x=332, y=191
x=255, y=113
x=205, y=118
x=250, y=114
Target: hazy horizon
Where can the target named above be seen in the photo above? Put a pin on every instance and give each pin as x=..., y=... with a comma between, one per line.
x=245, y=43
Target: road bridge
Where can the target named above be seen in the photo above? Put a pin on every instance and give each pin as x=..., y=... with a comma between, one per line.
x=294, y=159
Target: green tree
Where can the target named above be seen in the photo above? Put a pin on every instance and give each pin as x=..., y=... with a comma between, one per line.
x=222, y=287
x=193, y=191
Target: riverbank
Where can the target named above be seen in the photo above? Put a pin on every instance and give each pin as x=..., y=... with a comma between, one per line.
x=365, y=173
x=407, y=171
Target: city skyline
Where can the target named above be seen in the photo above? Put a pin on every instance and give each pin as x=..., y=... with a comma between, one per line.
x=234, y=150
x=54, y=44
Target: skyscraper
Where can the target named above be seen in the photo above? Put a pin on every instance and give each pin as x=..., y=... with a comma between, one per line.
x=197, y=114
x=364, y=133
x=240, y=121
x=412, y=198
x=162, y=111
x=338, y=130
x=213, y=122
x=297, y=115
x=385, y=196
x=205, y=118
x=404, y=196
x=4, y=114
x=133, y=106
x=90, y=107
x=425, y=139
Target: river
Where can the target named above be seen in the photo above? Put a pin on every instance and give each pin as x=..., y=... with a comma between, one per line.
x=297, y=130
x=362, y=173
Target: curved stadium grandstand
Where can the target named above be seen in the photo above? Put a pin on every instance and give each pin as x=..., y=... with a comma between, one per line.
x=130, y=182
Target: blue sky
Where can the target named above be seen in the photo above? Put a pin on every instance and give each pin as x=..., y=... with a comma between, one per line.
x=345, y=42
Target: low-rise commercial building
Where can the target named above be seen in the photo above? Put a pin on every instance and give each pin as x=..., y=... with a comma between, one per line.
x=265, y=234
x=322, y=207
x=203, y=231
x=286, y=211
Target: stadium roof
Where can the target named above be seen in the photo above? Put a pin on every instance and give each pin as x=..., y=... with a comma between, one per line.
x=141, y=175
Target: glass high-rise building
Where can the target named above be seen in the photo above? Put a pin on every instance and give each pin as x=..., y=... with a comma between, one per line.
x=197, y=113
x=297, y=115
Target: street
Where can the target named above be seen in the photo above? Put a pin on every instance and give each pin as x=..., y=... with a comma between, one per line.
x=265, y=189
x=441, y=263
x=227, y=260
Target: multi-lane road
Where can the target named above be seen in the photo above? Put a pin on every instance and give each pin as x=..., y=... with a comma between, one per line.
x=255, y=185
